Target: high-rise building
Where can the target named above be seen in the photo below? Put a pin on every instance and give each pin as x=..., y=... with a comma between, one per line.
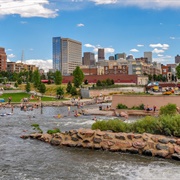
x=177, y=59
x=148, y=55
x=67, y=54
x=120, y=56
x=101, y=54
x=3, y=59
x=111, y=57
x=88, y=59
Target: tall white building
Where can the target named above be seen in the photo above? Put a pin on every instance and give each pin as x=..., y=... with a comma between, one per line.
x=149, y=56
x=67, y=55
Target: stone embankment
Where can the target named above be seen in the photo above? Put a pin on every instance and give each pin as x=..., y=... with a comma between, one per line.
x=145, y=144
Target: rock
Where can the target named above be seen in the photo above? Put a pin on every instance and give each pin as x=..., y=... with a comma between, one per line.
x=74, y=139
x=178, y=142
x=87, y=133
x=162, y=154
x=172, y=141
x=139, y=144
x=161, y=147
x=72, y=132
x=164, y=141
x=55, y=142
x=130, y=136
x=177, y=149
x=147, y=152
x=132, y=151
x=97, y=140
x=137, y=136
x=108, y=136
x=176, y=157
x=120, y=136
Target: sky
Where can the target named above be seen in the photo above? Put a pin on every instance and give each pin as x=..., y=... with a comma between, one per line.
x=119, y=26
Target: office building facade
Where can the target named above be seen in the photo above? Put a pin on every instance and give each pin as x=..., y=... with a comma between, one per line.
x=3, y=59
x=67, y=55
x=101, y=55
x=148, y=55
x=177, y=59
x=89, y=59
x=120, y=56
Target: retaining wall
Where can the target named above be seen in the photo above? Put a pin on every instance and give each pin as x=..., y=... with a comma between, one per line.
x=136, y=100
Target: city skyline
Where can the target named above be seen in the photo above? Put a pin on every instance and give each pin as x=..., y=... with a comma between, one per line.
x=131, y=27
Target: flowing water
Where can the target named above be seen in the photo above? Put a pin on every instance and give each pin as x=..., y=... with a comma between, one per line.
x=35, y=160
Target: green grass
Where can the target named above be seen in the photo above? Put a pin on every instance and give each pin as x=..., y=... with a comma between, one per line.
x=16, y=97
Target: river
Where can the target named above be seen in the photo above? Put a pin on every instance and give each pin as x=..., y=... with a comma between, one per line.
x=35, y=160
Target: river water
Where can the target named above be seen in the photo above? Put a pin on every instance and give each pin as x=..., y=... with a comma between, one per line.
x=35, y=160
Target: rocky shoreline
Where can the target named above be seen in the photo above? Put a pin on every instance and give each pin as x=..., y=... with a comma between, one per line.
x=143, y=144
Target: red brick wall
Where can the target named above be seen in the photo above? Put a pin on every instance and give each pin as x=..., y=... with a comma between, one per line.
x=117, y=78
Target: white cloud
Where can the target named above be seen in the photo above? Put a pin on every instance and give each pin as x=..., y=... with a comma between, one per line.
x=172, y=37
x=109, y=50
x=42, y=64
x=11, y=56
x=160, y=55
x=9, y=49
x=134, y=50
x=89, y=46
x=80, y=25
x=27, y=8
x=157, y=51
x=163, y=59
x=141, y=3
x=140, y=45
x=163, y=46
x=23, y=22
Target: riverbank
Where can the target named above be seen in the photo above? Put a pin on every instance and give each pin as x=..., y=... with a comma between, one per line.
x=143, y=144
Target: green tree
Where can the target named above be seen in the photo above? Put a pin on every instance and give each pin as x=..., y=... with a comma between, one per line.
x=178, y=71
x=42, y=88
x=73, y=91
x=36, y=79
x=58, y=77
x=69, y=87
x=19, y=81
x=60, y=92
x=28, y=87
x=78, y=77
x=16, y=84
x=98, y=83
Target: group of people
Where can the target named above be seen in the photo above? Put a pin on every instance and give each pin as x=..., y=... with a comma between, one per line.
x=150, y=109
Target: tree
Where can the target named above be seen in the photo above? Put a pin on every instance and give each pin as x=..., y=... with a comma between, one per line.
x=73, y=91
x=78, y=77
x=42, y=88
x=28, y=87
x=19, y=81
x=98, y=83
x=16, y=84
x=36, y=79
x=69, y=87
x=58, y=77
x=60, y=92
x=178, y=71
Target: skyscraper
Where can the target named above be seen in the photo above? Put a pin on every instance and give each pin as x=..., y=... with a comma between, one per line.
x=3, y=59
x=67, y=55
x=88, y=59
x=148, y=55
x=101, y=54
x=177, y=59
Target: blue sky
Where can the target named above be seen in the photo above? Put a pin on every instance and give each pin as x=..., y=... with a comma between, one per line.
x=130, y=26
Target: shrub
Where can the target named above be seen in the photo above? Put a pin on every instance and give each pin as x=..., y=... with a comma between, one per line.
x=165, y=125
x=169, y=109
x=140, y=107
x=37, y=128
x=122, y=106
x=52, y=131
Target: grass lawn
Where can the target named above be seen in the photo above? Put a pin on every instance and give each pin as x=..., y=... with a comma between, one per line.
x=16, y=97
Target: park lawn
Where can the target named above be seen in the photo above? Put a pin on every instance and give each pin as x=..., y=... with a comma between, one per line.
x=17, y=97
